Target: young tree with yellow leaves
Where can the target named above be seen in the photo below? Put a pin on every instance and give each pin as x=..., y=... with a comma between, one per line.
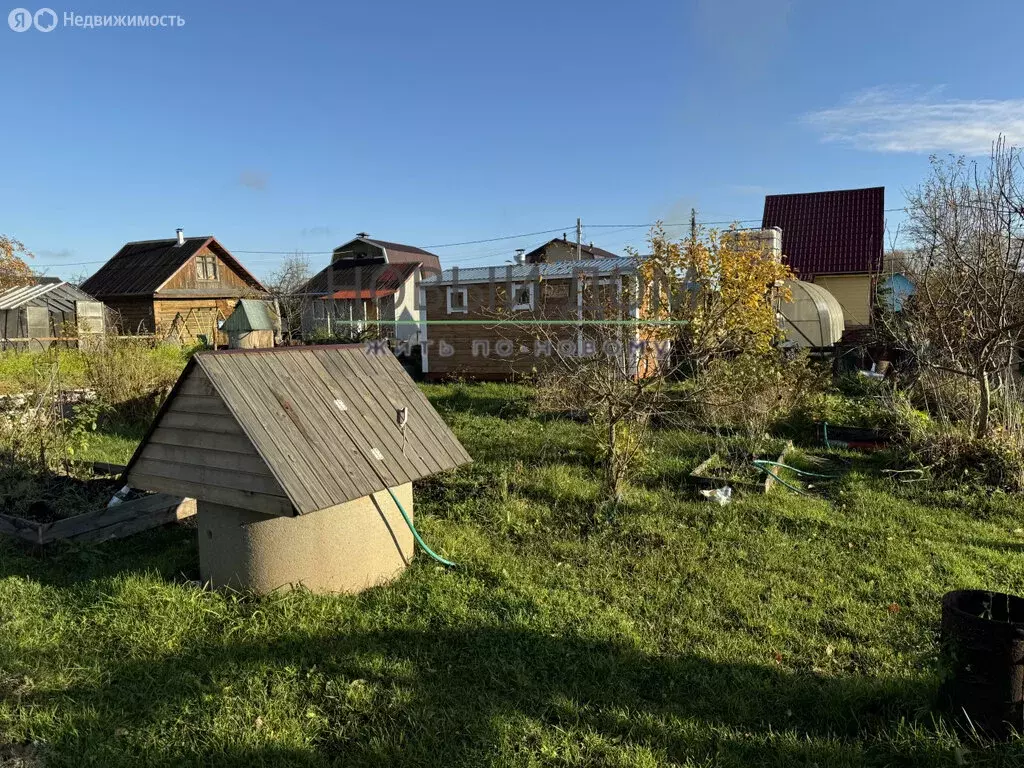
x=14, y=271
x=718, y=289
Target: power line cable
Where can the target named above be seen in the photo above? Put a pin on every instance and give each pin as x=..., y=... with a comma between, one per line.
x=501, y=238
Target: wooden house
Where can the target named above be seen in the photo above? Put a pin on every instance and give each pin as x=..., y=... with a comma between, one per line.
x=368, y=288
x=32, y=315
x=291, y=453
x=562, y=249
x=360, y=297
x=834, y=240
x=181, y=288
x=492, y=322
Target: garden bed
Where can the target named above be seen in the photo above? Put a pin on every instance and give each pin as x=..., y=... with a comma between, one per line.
x=736, y=469
x=49, y=509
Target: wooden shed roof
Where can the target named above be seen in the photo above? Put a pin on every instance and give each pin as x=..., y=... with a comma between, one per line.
x=251, y=315
x=324, y=419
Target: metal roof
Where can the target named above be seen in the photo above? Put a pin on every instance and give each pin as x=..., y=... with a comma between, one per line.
x=251, y=315
x=326, y=420
x=363, y=278
x=140, y=268
x=527, y=272
x=398, y=253
x=830, y=233
x=60, y=296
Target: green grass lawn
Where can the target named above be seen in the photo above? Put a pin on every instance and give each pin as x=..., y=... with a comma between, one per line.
x=778, y=630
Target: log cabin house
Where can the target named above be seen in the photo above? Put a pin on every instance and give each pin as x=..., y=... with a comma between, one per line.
x=181, y=288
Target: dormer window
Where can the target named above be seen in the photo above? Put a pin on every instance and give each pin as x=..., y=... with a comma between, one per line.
x=206, y=267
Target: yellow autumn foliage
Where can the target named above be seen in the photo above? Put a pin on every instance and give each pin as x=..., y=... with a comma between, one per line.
x=719, y=289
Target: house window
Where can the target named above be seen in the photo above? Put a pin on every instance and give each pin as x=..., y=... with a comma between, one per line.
x=522, y=296
x=206, y=267
x=458, y=300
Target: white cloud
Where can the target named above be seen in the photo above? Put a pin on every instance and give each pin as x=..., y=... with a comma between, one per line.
x=905, y=120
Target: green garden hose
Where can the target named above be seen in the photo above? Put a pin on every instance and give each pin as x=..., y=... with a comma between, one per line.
x=416, y=534
x=764, y=465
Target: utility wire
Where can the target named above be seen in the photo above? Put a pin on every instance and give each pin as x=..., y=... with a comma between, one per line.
x=501, y=238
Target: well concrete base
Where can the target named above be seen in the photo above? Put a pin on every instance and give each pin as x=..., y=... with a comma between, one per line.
x=346, y=548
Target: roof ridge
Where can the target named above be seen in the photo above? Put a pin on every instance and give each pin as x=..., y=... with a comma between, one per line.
x=167, y=240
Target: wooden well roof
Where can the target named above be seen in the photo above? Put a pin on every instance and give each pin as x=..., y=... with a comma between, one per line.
x=311, y=427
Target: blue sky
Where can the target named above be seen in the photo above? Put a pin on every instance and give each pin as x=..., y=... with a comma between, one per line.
x=283, y=127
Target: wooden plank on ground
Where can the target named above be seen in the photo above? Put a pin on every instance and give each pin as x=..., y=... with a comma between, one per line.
x=161, y=516
x=72, y=528
x=106, y=468
x=27, y=530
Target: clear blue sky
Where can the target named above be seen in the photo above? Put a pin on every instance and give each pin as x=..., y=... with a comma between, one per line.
x=281, y=127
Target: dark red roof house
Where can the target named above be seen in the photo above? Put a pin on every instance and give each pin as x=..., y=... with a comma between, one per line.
x=834, y=239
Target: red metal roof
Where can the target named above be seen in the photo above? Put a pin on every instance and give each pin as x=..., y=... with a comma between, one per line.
x=359, y=278
x=830, y=233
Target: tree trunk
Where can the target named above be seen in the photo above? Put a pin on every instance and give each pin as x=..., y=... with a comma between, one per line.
x=611, y=468
x=984, y=404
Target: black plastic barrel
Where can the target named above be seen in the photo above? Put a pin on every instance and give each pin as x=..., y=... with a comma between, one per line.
x=983, y=647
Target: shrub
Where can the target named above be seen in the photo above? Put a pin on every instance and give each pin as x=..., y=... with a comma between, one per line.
x=131, y=378
x=954, y=453
x=753, y=394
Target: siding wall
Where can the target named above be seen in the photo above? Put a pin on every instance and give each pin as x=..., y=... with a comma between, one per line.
x=853, y=292
x=198, y=450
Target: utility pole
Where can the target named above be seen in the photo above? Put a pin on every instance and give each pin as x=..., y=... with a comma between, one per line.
x=579, y=237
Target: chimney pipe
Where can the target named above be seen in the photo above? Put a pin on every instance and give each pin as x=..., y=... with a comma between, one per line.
x=362, y=234
x=181, y=236
x=520, y=256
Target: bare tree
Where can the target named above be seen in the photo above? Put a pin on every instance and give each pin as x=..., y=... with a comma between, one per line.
x=967, y=226
x=287, y=284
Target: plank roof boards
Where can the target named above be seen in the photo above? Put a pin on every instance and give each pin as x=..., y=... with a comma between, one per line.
x=292, y=430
